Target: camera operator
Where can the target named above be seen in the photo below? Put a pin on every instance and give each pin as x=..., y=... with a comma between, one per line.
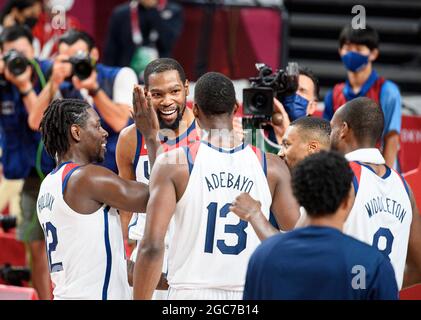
x=23, y=156
x=76, y=74
x=303, y=102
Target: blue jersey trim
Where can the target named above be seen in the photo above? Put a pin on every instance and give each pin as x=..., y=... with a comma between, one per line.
x=355, y=184
x=138, y=148
x=66, y=179
x=109, y=257
x=236, y=149
x=405, y=185
x=172, y=142
x=189, y=158
x=59, y=167
x=265, y=169
x=385, y=176
x=134, y=223
x=272, y=220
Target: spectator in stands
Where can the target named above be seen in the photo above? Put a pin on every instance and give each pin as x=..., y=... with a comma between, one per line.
x=109, y=89
x=140, y=31
x=50, y=26
x=23, y=12
x=358, y=49
x=23, y=156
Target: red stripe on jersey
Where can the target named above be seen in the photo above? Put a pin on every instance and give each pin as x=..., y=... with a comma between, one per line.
x=194, y=148
x=258, y=153
x=356, y=168
x=67, y=169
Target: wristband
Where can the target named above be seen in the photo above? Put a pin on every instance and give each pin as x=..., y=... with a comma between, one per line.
x=27, y=92
x=94, y=92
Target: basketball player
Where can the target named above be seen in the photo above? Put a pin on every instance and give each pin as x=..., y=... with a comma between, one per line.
x=83, y=233
x=303, y=137
x=319, y=261
x=166, y=88
x=384, y=213
x=210, y=247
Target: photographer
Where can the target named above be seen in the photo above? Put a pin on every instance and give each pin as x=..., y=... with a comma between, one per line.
x=300, y=104
x=23, y=155
x=76, y=74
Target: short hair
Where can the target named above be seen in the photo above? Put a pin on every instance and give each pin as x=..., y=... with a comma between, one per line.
x=14, y=33
x=365, y=117
x=18, y=4
x=73, y=35
x=55, y=125
x=311, y=127
x=321, y=182
x=214, y=94
x=309, y=73
x=368, y=36
x=162, y=65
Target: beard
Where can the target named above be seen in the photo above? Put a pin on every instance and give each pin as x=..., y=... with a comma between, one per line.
x=175, y=124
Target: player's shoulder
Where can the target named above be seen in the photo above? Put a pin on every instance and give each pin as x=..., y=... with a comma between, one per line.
x=276, y=165
x=172, y=159
x=128, y=131
x=128, y=137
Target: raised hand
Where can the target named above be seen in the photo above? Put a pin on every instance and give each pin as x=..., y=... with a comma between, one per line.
x=144, y=114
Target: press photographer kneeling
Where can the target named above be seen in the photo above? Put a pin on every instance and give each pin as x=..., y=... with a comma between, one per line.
x=276, y=99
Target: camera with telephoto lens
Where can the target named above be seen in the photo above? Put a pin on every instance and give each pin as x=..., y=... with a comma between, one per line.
x=7, y=222
x=15, y=276
x=82, y=65
x=258, y=99
x=15, y=62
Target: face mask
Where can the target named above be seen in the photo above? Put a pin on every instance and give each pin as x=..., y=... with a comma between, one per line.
x=354, y=61
x=30, y=22
x=296, y=106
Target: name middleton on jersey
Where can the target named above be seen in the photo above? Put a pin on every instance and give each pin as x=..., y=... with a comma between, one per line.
x=228, y=180
x=380, y=204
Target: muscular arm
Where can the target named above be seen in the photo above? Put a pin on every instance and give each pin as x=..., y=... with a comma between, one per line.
x=284, y=206
x=160, y=209
x=390, y=151
x=98, y=186
x=125, y=153
x=412, y=273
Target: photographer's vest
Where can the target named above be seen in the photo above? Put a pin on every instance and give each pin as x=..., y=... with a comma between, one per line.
x=370, y=90
x=21, y=145
x=105, y=76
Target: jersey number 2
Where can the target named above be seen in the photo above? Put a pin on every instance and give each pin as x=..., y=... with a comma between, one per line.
x=385, y=233
x=237, y=229
x=51, y=246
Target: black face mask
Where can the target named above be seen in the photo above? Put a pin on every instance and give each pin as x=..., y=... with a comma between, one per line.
x=30, y=22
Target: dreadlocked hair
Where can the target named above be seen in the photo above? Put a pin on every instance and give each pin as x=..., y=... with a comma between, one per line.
x=55, y=125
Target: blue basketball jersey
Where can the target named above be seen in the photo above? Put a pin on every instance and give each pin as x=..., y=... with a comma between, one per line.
x=318, y=263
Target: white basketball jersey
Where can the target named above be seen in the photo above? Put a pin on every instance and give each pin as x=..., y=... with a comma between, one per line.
x=381, y=215
x=211, y=246
x=85, y=251
x=142, y=172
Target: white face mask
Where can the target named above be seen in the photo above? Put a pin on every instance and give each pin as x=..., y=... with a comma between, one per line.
x=66, y=4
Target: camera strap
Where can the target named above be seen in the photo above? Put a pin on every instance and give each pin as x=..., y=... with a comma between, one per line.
x=43, y=82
